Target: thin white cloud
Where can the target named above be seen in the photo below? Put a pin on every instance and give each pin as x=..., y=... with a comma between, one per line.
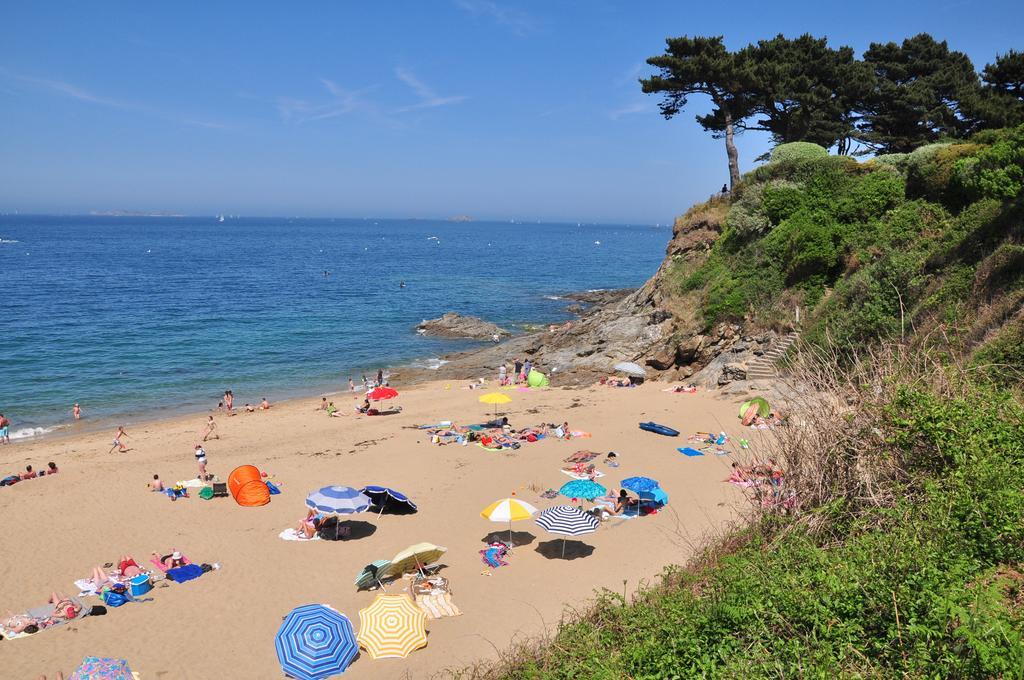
x=428, y=98
x=83, y=95
x=341, y=101
x=520, y=23
x=629, y=109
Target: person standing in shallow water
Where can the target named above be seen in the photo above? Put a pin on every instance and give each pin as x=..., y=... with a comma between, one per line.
x=380, y=377
x=229, y=400
x=76, y=412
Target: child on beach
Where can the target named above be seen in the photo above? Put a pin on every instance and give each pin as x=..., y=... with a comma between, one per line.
x=208, y=432
x=76, y=412
x=5, y=428
x=201, y=461
x=264, y=405
x=28, y=473
x=249, y=408
x=51, y=468
x=156, y=484
x=118, y=443
x=323, y=404
x=351, y=385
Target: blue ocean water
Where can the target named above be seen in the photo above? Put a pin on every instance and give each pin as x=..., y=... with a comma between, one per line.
x=127, y=315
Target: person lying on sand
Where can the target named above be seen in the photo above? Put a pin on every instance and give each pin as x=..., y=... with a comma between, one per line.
x=333, y=411
x=615, y=381
x=18, y=623
x=171, y=561
x=64, y=607
x=249, y=408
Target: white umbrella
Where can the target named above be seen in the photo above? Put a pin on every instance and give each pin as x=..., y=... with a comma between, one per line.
x=629, y=368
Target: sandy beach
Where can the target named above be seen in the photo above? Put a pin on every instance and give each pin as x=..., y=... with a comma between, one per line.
x=223, y=624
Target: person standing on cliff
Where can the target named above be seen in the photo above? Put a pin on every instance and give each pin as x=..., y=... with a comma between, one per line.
x=519, y=370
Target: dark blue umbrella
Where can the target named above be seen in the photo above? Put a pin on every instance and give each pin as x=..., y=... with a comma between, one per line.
x=388, y=499
x=315, y=642
x=640, y=484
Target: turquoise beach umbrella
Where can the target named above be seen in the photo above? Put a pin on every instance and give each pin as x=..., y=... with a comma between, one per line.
x=582, y=488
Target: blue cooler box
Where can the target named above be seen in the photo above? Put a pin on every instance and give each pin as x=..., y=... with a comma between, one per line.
x=140, y=585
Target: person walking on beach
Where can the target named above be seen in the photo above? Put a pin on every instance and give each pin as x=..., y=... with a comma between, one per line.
x=76, y=412
x=119, y=440
x=5, y=430
x=201, y=461
x=208, y=432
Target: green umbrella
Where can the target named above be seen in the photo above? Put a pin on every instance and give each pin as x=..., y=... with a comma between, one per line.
x=763, y=408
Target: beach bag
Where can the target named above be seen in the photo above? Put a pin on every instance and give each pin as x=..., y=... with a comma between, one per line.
x=206, y=493
x=114, y=599
x=220, y=489
x=272, y=488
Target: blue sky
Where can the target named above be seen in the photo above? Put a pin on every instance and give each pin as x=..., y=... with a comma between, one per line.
x=494, y=109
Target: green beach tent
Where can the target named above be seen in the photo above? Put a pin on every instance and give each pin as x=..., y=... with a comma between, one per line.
x=763, y=408
x=537, y=379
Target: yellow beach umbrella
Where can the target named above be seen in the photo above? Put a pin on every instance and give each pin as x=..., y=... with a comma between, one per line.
x=495, y=398
x=392, y=627
x=508, y=510
x=414, y=557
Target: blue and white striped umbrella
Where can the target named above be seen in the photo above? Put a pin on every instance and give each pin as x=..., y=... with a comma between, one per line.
x=567, y=521
x=640, y=484
x=315, y=642
x=338, y=500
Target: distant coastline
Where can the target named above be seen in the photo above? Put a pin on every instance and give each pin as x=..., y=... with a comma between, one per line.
x=134, y=213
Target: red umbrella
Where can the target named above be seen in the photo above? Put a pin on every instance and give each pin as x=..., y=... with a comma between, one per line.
x=382, y=393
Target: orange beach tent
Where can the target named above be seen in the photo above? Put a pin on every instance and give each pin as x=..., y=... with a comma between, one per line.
x=247, y=487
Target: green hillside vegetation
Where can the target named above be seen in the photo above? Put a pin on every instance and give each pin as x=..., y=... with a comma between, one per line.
x=929, y=585
x=901, y=245
x=904, y=556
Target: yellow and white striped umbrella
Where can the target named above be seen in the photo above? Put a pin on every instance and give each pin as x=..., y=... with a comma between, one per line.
x=508, y=510
x=414, y=557
x=392, y=627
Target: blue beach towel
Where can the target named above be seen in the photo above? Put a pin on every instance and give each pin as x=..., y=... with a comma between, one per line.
x=185, y=573
x=690, y=452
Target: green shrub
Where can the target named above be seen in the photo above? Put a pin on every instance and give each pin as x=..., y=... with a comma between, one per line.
x=806, y=247
x=1002, y=358
x=781, y=199
x=894, y=160
x=747, y=216
x=994, y=172
x=870, y=196
x=797, y=151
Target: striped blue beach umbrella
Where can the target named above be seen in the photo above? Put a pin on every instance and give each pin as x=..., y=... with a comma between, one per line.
x=315, y=642
x=338, y=500
x=582, y=488
x=389, y=499
x=567, y=520
x=640, y=484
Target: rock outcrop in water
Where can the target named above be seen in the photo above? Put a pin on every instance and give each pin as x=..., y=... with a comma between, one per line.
x=452, y=325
